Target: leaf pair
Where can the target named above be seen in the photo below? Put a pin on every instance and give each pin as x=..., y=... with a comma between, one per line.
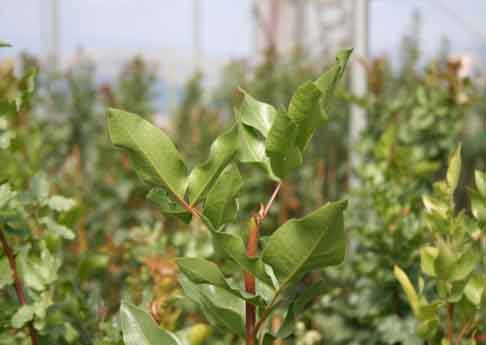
x=161, y=166
x=276, y=140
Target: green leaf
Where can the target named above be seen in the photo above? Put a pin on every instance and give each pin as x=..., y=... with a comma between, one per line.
x=454, y=169
x=281, y=146
x=201, y=271
x=220, y=307
x=428, y=255
x=255, y=120
x=478, y=206
x=466, y=264
x=252, y=149
x=407, y=287
x=140, y=329
x=445, y=260
x=475, y=288
x=40, y=187
x=302, y=245
x=5, y=273
x=480, y=179
x=42, y=304
x=163, y=200
x=6, y=194
x=256, y=114
x=434, y=205
x=233, y=247
x=328, y=81
x=57, y=228
x=155, y=157
x=4, y=44
x=305, y=112
x=37, y=274
x=222, y=151
x=60, y=203
x=23, y=315
x=220, y=206
x=298, y=306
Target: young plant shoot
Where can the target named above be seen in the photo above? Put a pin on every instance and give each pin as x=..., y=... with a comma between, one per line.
x=265, y=137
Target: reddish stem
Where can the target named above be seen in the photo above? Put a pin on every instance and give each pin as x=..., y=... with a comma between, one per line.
x=250, y=284
x=450, y=322
x=252, y=251
x=481, y=338
x=17, y=282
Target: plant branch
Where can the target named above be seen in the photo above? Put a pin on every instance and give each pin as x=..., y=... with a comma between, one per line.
x=19, y=290
x=188, y=207
x=252, y=251
x=466, y=328
x=265, y=209
x=450, y=322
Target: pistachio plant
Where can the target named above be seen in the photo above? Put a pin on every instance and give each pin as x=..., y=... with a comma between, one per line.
x=262, y=136
x=450, y=303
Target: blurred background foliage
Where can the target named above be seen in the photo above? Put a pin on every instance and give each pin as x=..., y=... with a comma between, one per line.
x=124, y=248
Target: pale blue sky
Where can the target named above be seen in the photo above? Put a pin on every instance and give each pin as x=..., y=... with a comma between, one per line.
x=134, y=25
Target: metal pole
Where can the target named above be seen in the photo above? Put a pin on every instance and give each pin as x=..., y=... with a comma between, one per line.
x=358, y=77
x=197, y=56
x=52, y=34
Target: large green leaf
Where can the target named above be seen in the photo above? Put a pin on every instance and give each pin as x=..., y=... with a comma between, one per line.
x=140, y=329
x=305, y=111
x=220, y=307
x=428, y=255
x=202, y=271
x=465, y=264
x=302, y=245
x=252, y=148
x=475, y=288
x=155, y=157
x=445, y=261
x=291, y=132
x=298, y=306
x=407, y=286
x=167, y=205
x=256, y=114
x=328, y=81
x=220, y=206
x=281, y=148
x=221, y=153
x=233, y=247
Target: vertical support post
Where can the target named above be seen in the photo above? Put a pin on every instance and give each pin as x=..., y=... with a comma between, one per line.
x=197, y=36
x=358, y=77
x=54, y=34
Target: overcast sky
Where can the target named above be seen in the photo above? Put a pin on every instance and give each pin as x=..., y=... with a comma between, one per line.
x=133, y=26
